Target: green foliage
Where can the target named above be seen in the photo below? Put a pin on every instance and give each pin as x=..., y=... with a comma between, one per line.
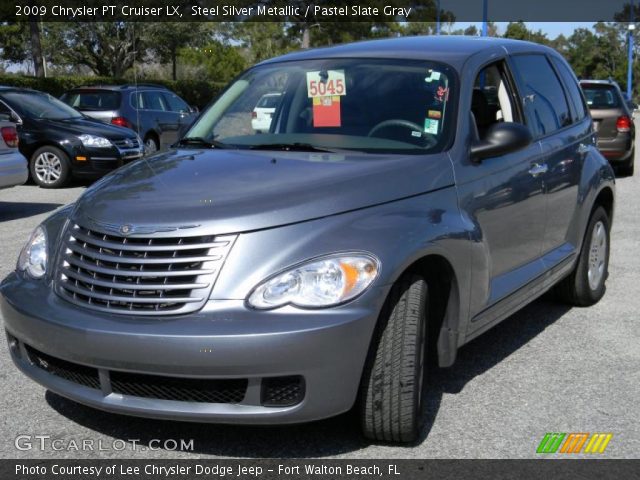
x=215, y=60
x=195, y=92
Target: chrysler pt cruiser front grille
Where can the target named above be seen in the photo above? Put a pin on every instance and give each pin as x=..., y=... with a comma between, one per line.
x=142, y=276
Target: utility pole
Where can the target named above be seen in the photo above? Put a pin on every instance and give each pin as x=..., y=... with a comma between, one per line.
x=437, y=17
x=485, y=8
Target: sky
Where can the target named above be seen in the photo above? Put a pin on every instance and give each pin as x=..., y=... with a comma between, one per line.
x=552, y=29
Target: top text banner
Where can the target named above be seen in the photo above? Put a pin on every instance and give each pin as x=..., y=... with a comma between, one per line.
x=318, y=11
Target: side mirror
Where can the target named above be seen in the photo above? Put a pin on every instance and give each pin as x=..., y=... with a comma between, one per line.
x=500, y=139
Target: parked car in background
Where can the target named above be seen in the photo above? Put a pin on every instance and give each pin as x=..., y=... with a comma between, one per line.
x=155, y=113
x=60, y=142
x=262, y=114
x=13, y=166
x=391, y=214
x=613, y=123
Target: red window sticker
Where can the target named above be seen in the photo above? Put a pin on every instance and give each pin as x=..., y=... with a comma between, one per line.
x=442, y=94
x=326, y=111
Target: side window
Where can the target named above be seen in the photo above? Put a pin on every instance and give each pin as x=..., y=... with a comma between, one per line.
x=154, y=101
x=4, y=109
x=543, y=98
x=137, y=100
x=575, y=94
x=493, y=99
x=175, y=103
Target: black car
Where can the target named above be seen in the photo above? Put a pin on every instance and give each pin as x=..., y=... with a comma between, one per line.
x=58, y=141
x=158, y=115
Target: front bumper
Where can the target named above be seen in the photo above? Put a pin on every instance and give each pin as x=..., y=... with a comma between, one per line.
x=224, y=340
x=96, y=162
x=13, y=169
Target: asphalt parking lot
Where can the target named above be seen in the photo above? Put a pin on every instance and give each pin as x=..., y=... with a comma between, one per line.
x=547, y=368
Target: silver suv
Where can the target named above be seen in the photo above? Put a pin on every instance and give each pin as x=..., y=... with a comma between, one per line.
x=404, y=200
x=155, y=113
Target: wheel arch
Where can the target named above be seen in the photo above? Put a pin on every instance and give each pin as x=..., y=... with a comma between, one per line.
x=444, y=305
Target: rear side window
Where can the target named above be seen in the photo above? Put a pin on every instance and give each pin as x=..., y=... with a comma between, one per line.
x=601, y=96
x=544, y=102
x=154, y=101
x=575, y=95
x=93, y=100
x=269, y=101
x=176, y=104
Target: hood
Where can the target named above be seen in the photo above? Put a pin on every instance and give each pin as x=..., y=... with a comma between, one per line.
x=79, y=126
x=233, y=191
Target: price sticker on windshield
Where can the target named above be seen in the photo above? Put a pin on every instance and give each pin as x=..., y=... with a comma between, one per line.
x=326, y=83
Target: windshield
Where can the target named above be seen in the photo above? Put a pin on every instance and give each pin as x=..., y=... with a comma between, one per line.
x=40, y=105
x=94, y=100
x=371, y=105
x=600, y=96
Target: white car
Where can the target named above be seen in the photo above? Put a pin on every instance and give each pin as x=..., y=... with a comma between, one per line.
x=13, y=166
x=264, y=110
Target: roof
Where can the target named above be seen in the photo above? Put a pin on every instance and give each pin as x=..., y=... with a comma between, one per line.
x=599, y=82
x=451, y=49
x=120, y=87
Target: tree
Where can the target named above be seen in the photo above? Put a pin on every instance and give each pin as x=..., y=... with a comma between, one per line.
x=165, y=39
x=519, y=31
x=216, y=61
x=106, y=48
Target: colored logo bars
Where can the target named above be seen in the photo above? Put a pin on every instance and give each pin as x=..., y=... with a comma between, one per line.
x=574, y=443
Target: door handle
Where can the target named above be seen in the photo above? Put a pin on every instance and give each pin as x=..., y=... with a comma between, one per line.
x=583, y=149
x=538, y=169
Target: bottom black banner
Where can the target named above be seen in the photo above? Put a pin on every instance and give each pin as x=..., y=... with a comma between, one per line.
x=318, y=469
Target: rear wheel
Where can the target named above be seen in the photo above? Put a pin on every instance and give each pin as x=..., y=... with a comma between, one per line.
x=150, y=145
x=585, y=286
x=49, y=167
x=393, y=380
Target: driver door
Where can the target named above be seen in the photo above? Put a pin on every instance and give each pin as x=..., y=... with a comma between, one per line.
x=504, y=199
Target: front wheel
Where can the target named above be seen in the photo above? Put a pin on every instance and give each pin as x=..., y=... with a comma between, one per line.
x=49, y=167
x=585, y=285
x=393, y=381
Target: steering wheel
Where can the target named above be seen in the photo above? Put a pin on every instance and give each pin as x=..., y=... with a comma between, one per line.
x=399, y=122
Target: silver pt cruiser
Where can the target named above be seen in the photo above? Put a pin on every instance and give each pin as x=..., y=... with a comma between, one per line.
x=407, y=195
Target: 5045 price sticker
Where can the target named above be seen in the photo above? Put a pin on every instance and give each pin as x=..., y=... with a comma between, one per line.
x=327, y=83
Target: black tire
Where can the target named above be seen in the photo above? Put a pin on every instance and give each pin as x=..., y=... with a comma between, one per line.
x=42, y=169
x=151, y=144
x=627, y=169
x=394, y=377
x=576, y=289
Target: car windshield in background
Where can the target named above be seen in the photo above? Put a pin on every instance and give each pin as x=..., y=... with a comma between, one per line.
x=94, y=100
x=371, y=105
x=40, y=105
x=601, y=96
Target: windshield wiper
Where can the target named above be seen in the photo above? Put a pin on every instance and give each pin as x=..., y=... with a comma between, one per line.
x=289, y=147
x=201, y=142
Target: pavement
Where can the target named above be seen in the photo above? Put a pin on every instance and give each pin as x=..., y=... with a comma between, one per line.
x=548, y=368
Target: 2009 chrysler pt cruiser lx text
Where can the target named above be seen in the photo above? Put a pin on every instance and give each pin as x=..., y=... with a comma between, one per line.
x=407, y=195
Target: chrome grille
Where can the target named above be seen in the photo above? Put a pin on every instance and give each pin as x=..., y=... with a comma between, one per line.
x=142, y=276
x=125, y=143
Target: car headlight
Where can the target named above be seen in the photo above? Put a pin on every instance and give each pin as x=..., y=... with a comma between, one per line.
x=318, y=283
x=94, y=141
x=33, y=257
